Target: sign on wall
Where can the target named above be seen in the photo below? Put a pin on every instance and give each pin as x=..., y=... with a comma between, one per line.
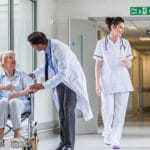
x=139, y=10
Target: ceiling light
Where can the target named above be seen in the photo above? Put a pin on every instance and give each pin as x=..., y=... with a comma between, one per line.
x=131, y=27
x=144, y=38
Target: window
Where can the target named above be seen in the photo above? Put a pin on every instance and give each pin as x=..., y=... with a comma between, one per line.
x=23, y=26
x=17, y=22
x=3, y=25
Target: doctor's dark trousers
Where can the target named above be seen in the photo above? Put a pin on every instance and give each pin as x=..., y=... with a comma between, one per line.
x=67, y=103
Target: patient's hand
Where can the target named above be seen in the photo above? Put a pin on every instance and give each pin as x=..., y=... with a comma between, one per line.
x=9, y=87
x=20, y=93
x=36, y=87
x=14, y=96
x=28, y=90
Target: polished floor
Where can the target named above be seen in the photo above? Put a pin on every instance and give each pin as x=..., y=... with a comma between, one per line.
x=136, y=136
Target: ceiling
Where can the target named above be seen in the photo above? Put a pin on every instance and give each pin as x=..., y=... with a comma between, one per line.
x=133, y=34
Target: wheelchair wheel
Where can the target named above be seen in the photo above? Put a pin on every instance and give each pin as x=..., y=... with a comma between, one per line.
x=34, y=142
x=26, y=148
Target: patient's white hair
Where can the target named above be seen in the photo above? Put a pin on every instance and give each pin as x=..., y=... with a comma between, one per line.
x=3, y=57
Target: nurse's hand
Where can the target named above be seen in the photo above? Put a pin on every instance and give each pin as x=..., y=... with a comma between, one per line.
x=36, y=87
x=126, y=63
x=98, y=89
x=32, y=75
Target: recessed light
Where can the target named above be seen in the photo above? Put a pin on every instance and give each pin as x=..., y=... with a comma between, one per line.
x=131, y=27
x=144, y=38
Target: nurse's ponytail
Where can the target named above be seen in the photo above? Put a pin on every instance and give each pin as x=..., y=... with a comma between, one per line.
x=113, y=21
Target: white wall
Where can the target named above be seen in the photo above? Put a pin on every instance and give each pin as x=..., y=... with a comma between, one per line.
x=45, y=111
x=97, y=8
x=46, y=13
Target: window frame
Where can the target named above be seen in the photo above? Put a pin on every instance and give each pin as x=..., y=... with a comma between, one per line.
x=11, y=26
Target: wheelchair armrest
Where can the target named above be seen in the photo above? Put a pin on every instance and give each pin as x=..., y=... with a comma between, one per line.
x=30, y=95
x=31, y=99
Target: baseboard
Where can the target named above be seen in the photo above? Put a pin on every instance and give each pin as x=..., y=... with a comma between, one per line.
x=41, y=127
x=48, y=125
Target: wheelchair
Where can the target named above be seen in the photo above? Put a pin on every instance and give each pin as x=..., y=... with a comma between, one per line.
x=31, y=141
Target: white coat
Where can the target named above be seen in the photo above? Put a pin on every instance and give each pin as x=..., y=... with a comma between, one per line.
x=68, y=71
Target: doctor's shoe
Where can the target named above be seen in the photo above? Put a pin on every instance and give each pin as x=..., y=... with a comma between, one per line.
x=115, y=147
x=60, y=147
x=107, y=139
x=2, y=143
x=67, y=148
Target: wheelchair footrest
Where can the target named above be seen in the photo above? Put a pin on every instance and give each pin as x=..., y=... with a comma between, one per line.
x=17, y=143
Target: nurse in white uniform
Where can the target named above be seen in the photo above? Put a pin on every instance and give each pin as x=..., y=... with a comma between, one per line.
x=113, y=58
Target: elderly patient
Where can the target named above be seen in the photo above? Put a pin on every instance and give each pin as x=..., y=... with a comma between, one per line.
x=13, y=94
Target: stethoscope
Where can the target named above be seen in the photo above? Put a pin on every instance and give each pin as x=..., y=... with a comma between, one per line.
x=121, y=44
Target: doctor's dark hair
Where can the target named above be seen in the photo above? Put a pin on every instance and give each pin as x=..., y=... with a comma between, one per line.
x=37, y=38
x=113, y=21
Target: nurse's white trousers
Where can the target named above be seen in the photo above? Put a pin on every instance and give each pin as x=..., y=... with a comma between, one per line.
x=113, y=113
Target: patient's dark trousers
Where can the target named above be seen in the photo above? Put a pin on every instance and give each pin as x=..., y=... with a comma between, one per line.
x=67, y=103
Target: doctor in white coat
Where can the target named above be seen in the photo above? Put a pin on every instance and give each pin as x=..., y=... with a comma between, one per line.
x=113, y=58
x=68, y=79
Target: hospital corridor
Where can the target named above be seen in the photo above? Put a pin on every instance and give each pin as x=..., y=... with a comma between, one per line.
x=74, y=74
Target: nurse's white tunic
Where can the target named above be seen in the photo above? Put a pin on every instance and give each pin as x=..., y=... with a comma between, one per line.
x=114, y=76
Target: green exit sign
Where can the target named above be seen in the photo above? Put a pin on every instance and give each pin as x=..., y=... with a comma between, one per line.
x=139, y=10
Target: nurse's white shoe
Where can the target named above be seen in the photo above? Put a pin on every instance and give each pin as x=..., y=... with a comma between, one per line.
x=115, y=147
x=107, y=139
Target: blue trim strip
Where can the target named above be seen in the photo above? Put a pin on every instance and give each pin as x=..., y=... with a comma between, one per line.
x=98, y=56
x=129, y=55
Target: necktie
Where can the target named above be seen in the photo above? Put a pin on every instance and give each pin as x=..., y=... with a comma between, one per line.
x=46, y=67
